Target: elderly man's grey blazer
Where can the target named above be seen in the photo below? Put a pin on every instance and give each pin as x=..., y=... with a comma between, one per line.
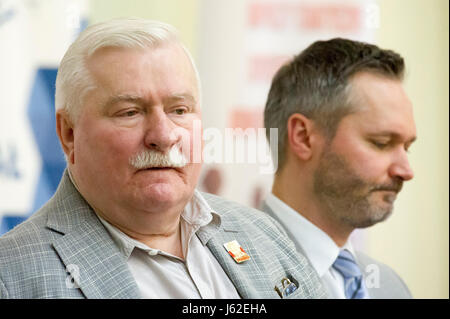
x=391, y=286
x=64, y=251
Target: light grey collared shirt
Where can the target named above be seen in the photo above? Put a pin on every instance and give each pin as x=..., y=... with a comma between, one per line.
x=318, y=247
x=159, y=274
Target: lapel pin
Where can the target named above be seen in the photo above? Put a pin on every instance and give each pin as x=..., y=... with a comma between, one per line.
x=236, y=251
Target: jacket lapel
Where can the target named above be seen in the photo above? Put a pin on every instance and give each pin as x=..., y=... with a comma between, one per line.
x=91, y=258
x=239, y=273
x=215, y=236
x=95, y=263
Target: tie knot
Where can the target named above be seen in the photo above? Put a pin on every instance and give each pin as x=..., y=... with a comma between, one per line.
x=346, y=265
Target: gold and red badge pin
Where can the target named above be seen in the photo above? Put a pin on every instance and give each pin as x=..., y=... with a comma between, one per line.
x=236, y=251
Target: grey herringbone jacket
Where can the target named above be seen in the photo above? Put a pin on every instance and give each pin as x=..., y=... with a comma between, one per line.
x=38, y=256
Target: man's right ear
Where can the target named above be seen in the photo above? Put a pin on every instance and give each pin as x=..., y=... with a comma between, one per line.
x=300, y=136
x=64, y=129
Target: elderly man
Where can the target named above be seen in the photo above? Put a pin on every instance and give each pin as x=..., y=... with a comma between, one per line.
x=345, y=125
x=126, y=220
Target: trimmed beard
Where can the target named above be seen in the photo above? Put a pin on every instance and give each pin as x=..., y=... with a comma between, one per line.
x=346, y=197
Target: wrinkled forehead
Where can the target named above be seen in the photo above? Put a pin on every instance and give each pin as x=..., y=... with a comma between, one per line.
x=120, y=61
x=142, y=74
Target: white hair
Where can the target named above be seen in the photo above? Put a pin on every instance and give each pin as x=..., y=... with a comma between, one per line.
x=74, y=80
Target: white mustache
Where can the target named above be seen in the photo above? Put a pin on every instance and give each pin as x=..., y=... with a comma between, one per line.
x=152, y=158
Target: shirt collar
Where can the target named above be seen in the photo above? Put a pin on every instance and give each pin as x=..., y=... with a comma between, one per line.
x=319, y=248
x=197, y=213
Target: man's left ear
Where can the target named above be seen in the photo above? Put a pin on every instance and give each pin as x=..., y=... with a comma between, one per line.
x=64, y=129
x=301, y=136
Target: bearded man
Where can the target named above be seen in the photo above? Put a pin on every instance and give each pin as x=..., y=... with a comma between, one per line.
x=345, y=125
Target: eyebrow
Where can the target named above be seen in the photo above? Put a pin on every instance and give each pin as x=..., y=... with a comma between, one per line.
x=180, y=97
x=136, y=99
x=133, y=98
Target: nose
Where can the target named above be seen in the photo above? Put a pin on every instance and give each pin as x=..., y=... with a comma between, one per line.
x=159, y=131
x=401, y=168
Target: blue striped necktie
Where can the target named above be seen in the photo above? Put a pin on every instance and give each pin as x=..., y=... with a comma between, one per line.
x=353, y=280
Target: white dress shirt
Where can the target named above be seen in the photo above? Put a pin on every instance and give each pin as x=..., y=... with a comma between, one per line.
x=318, y=247
x=159, y=274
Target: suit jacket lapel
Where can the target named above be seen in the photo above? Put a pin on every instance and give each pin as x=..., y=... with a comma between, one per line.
x=238, y=273
x=215, y=236
x=86, y=248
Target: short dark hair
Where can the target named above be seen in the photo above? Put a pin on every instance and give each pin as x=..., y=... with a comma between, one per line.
x=315, y=83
